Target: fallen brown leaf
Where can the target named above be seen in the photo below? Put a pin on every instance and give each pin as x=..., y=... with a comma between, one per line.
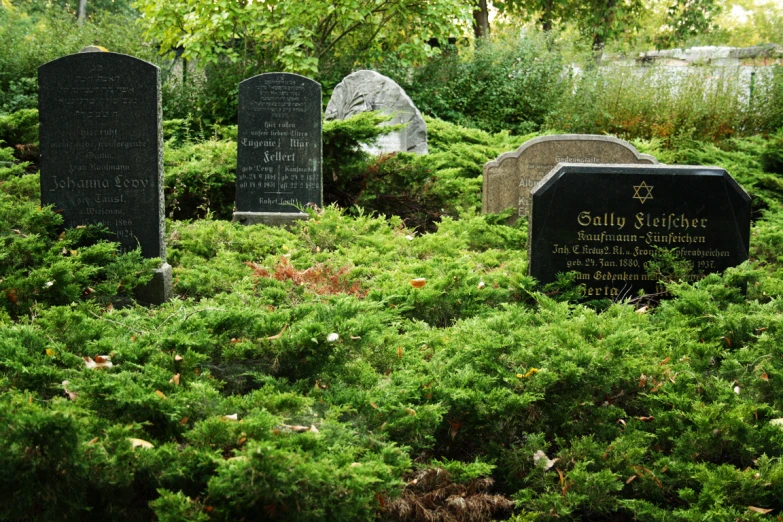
x=418, y=282
x=139, y=443
x=278, y=336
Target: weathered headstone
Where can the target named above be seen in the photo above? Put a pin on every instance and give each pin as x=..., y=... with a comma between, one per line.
x=364, y=91
x=605, y=222
x=279, y=155
x=94, y=49
x=102, y=151
x=508, y=179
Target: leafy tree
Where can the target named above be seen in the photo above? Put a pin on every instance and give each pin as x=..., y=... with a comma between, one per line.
x=79, y=8
x=686, y=18
x=545, y=12
x=481, y=19
x=600, y=20
x=604, y=20
x=299, y=36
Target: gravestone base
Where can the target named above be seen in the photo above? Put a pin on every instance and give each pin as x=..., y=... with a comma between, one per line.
x=158, y=290
x=270, y=219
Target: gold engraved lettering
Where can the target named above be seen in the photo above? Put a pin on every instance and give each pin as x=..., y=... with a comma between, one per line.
x=608, y=219
x=606, y=291
x=603, y=237
x=668, y=221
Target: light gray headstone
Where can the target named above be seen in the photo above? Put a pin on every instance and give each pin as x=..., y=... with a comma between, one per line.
x=365, y=91
x=94, y=49
x=509, y=179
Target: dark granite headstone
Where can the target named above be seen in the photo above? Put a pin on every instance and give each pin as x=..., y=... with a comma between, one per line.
x=278, y=148
x=102, y=147
x=604, y=222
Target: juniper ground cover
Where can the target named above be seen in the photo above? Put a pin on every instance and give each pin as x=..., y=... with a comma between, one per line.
x=398, y=365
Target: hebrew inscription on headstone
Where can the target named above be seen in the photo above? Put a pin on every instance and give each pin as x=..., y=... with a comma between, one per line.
x=102, y=150
x=101, y=145
x=508, y=179
x=279, y=153
x=605, y=222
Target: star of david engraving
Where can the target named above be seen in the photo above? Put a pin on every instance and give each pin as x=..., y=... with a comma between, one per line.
x=640, y=195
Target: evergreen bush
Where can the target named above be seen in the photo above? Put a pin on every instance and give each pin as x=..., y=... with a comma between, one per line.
x=510, y=83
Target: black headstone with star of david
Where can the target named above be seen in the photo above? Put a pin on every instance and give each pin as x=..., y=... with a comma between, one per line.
x=604, y=222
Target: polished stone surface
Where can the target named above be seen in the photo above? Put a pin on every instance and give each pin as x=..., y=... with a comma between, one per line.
x=605, y=221
x=102, y=145
x=279, y=145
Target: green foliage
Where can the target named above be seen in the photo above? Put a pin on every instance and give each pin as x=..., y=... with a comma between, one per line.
x=510, y=83
x=28, y=43
x=649, y=103
x=297, y=37
x=666, y=266
x=309, y=373
x=344, y=161
x=94, y=7
x=199, y=177
x=37, y=267
x=772, y=157
x=9, y=167
x=19, y=128
x=422, y=188
x=685, y=19
x=205, y=95
x=341, y=373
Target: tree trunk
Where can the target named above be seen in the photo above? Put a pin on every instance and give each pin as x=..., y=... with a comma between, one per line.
x=546, y=16
x=82, y=12
x=481, y=20
x=607, y=21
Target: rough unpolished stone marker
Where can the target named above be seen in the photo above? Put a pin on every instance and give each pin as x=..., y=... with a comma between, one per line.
x=508, y=179
x=604, y=222
x=94, y=49
x=102, y=151
x=365, y=91
x=279, y=153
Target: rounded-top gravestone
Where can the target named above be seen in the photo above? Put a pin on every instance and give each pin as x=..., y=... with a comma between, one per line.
x=365, y=91
x=509, y=178
x=279, y=154
x=102, y=149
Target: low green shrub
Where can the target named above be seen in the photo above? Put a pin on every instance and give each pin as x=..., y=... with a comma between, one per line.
x=20, y=127
x=708, y=104
x=420, y=188
x=772, y=157
x=38, y=267
x=510, y=83
x=361, y=366
x=199, y=177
